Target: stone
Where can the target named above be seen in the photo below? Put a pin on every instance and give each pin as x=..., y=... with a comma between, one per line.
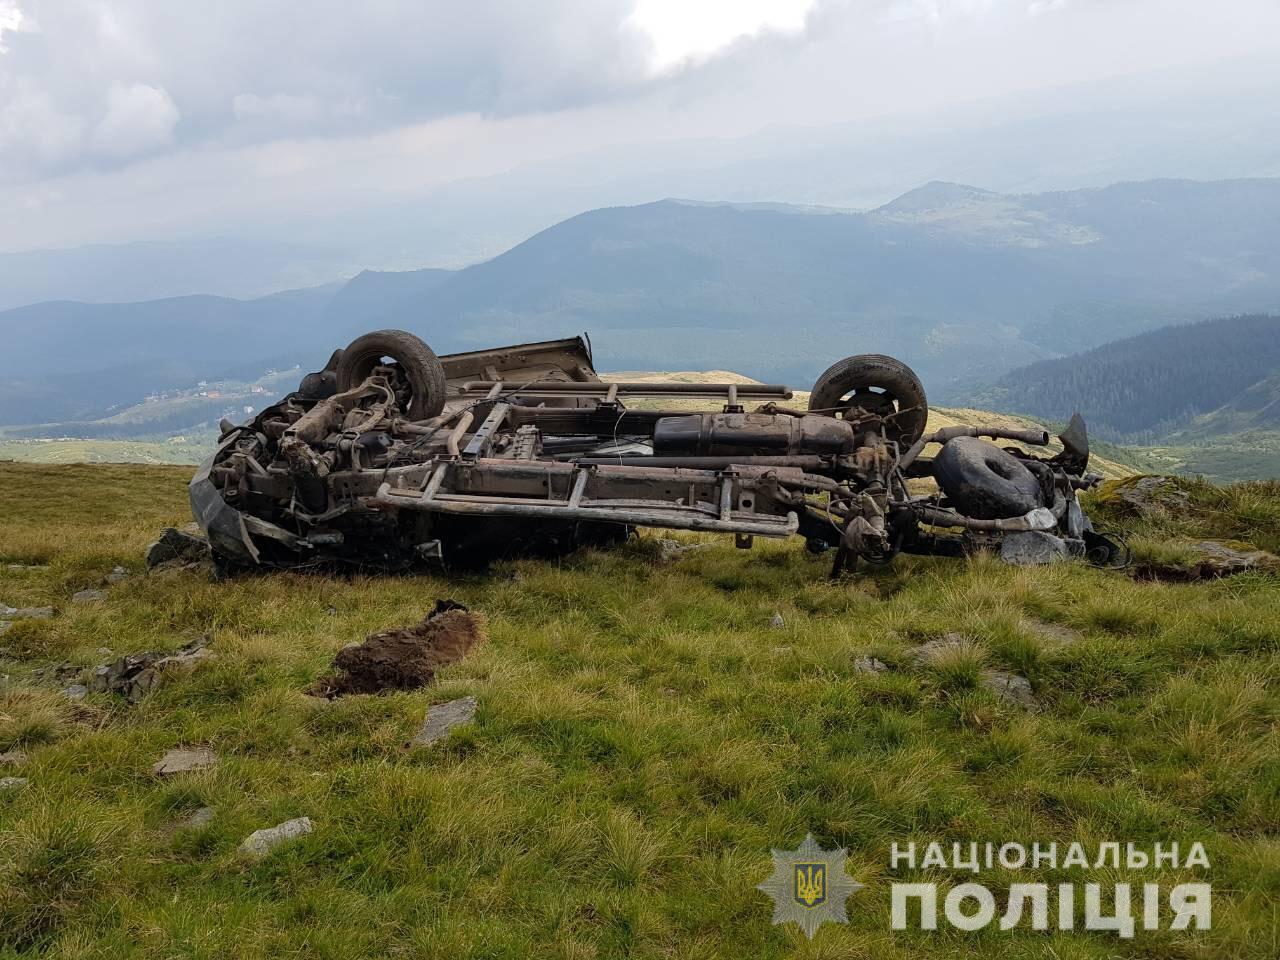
x=1147, y=495
x=12, y=783
x=869, y=665
x=185, y=760
x=1033, y=548
x=1219, y=558
x=1208, y=560
x=89, y=596
x=442, y=718
x=1055, y=633
x=929, y=651
x=14, y=757
x=199, y=818
x=673, y=549
x=777, y=622
x=104, y=651
x=135, y=674
x=77, y=691
x=1010, y=688
x=176, y=548
x=117, y=574
x=261, y=842
x=29, y=613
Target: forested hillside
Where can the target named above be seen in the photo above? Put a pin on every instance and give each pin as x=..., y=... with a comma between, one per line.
x=1144, y=388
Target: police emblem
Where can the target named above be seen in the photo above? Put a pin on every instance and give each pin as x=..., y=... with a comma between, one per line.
x=809, y=886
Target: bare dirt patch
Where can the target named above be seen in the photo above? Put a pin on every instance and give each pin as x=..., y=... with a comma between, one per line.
x=404, y=659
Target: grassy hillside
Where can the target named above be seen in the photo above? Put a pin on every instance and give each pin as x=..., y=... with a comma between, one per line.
x=644, y=737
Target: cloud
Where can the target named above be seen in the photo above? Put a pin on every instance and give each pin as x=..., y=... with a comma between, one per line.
x=139, y=118
x=684, y=33
x=150, y=118
x=13, y=20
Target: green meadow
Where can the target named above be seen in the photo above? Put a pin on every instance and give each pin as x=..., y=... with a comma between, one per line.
x=645, y=735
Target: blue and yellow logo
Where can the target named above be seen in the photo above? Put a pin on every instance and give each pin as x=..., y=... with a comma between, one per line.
x=811, y=884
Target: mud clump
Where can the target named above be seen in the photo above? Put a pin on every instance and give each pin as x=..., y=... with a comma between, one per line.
x=404, y=659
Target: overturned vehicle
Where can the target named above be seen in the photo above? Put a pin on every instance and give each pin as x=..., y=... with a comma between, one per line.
x=392, y=456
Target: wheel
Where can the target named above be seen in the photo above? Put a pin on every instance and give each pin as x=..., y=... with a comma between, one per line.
x=985, y=482
x=878, y=385
x=421, y=367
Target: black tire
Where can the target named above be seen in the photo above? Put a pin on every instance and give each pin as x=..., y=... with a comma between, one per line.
x=880, y=382
x=420, y=365
x=985, y=482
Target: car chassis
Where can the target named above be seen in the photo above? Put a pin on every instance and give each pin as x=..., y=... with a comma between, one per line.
x=392, y=456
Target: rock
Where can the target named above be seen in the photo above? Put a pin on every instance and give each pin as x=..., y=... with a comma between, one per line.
x=261, y=842
x=28, y=567
x=1219, y=558
x=1209, y=559
x=77, y=691
x=673, y=549
x=777, y=622
x=185, y=760
x=104, y=651
x=443, y=717
x=29, y=613
x=176, y=548
x=14, y=757
x=6, y=610
x=12, y=783
x=1056, y=633
x=929, y=651
x=1032, y=548
x=135, y=674
x=89, y=596
x=1147, y=495
x=199, y=818
x=1010, y=688
x=869, y=665
x=117, y=574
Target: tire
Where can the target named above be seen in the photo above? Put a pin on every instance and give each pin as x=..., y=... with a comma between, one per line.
x=420, y=365
x=884, y=382
x=985, y=482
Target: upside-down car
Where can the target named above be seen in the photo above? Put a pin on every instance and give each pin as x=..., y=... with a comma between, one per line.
x=391, y=456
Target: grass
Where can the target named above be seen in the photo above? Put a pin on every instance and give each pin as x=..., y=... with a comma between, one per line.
x=644, y=737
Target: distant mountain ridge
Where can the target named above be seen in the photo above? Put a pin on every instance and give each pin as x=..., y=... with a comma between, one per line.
x=1205, y=379
x=958, y=281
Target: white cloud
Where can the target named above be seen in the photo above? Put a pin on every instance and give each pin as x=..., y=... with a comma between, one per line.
x=13, y=20
x=139, y=118
x=688, y=31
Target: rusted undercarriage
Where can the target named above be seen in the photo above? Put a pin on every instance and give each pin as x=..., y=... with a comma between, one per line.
x=391, y=457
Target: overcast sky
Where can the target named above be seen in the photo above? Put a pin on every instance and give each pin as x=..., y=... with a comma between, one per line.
x=132, y=119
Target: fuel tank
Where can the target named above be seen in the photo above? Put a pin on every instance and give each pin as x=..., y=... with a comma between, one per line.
x=762, y=434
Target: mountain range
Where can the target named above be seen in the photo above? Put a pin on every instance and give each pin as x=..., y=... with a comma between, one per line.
x=962, y=283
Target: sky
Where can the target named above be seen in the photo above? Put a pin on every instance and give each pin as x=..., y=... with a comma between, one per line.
x=123, y=120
